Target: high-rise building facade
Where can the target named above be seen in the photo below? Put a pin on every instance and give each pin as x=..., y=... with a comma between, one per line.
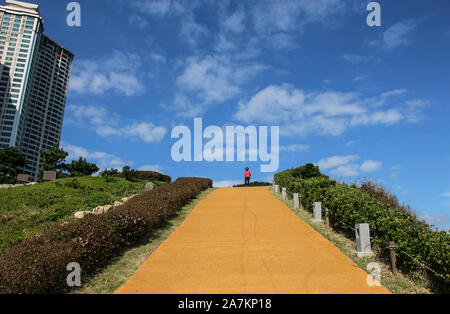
x=35, y=72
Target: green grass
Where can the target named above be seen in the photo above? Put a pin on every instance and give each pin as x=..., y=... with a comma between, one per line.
x=124, y=266
x=416, y=283
x=26, y=211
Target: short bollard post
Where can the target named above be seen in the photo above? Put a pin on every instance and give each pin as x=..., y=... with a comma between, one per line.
x=296, y=200
x=317, y=212
x=392, y=248
x=327, y=217
x=284, y=193
x=277, y=189
x=363, y=247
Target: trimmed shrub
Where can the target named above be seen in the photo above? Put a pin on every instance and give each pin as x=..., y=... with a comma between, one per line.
x=148, y=176
x=353, y=205
x=38, y=265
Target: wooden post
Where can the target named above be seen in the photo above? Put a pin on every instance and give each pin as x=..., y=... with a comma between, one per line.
x=392, y=248
x=327, y=218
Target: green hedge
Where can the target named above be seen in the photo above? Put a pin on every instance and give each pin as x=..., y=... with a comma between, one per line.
x=351, y=206
x=38, y=265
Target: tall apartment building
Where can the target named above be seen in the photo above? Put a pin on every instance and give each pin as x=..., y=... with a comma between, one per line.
x=34, y=81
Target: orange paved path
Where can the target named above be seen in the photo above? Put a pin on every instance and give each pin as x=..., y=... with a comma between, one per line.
x=245, y=241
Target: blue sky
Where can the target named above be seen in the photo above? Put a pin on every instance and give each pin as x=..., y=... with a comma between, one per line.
x=360, y=102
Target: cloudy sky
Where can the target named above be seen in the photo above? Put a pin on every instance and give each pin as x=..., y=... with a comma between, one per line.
x=360, y=102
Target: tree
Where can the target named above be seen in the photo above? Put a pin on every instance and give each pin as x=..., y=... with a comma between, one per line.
x=54, y=160
x=109, y=173
x=81, y=168
x=129, y=174
x=307, y=171
x=11, y=159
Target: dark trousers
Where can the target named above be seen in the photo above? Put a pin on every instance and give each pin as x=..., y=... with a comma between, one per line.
x=247, y=181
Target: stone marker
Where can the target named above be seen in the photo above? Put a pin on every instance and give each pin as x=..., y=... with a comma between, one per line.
x=150, y=186
x=277, y=189
x=296, y=199
x=362, y=234
x=284, y=193
x=49, y=176
x=317, y=212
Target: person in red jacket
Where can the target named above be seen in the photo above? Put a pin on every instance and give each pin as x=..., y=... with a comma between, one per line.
x=248, y=176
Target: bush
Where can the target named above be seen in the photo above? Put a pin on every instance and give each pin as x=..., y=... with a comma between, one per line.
x=351, y=205
x=147, y=176
x=307, y=171
x=38, y=264
x=74, y=184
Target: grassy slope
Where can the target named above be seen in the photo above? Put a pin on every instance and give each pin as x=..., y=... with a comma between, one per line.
x=123, y=267
x=25, y=211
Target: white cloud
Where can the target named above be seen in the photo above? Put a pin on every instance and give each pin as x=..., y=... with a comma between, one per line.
x=115, y=73
x=138, y=21
x=278, y=23
x=370, y=166
x=235, y=23
x=155, y=168
x=107, y=125
x=285, y=16
x=327, y=113
x=183, y=107
x=355, y=58
x=209, y=80
x=345, y=166
x=441, y=221
x=335, y=161
x=295, y=148
x=395, y=92
x=446, y=194
x=157, y=7
x=414, y=109
x=226, y=183
x=102, y=159
x=396, y=36
x=216, y=78
x=190, y=31
x=158, y=58
x=349, y=170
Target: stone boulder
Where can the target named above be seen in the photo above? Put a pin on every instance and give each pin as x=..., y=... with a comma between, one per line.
x=126, y=199
x=117, y=204
x=150, y=186
x=82, y=214
x=101, y=209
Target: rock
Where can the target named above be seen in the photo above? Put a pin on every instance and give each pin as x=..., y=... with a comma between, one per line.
x=150, y=186
x=81, y=215
x=117, y=204
x=101, y=209
x=126, y=199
